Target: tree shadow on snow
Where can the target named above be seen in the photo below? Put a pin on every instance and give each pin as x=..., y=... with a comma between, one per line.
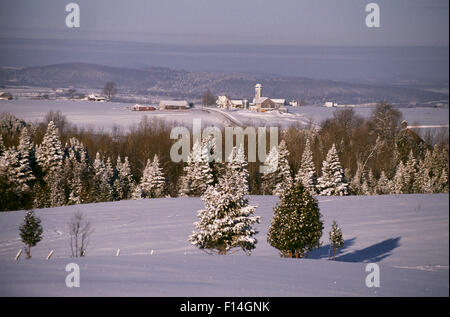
x=374, y=253
x=323, y=251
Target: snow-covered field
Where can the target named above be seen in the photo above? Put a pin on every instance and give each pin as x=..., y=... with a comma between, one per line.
x=99, y=115
x=407, y=235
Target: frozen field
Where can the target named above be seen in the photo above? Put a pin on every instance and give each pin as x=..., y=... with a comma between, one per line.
x=98, y=115
x=407, y=235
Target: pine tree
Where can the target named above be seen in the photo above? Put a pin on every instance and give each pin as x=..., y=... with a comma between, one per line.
x=411, y=170
x=31, y=231
x=226, y=222
x=18, y=172
x=336, y=239
x=400, y=181
x=102, y=188
x=442, y=184
x=307, y=171
x=384, y=186
x=152, y=182
x=296, y=226
x=235, y=177
x=357, y=180
x=123, y=184
x=2, y=145
x=50, y=158
x=80, y=170
x=278, y=174
x=198, y=174
x=332, y=181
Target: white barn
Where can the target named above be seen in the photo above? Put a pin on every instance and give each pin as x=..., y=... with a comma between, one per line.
x=174, y=105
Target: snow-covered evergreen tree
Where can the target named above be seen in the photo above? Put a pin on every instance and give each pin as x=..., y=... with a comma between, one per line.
x=384, y=185
x=357, y=180
x=30, y=231
x=152, y=182
x=2, y=145
x=198, y=174
x=77, y=168
x=332, y=181
x=336, y=239
x=226, y=222
x=400, y=181
x=412, y=186
x=18, y=172
x=296, y=226
x=235, y=177
x=49, y=155
x=307, y=172
x=102, y=189
x=278, y=174
x=123, y=184
x=442, y=184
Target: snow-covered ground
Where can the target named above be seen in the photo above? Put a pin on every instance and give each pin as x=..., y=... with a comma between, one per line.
x=105, y=115
x=407, y=235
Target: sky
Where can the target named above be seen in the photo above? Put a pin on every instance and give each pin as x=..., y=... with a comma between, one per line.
x=212, y=22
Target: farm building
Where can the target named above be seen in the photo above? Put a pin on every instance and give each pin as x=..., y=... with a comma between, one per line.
x=93, y=97
x=5, y=96
x=227, y=103
x=174, y=105
x=138, y=107
x=263, y=104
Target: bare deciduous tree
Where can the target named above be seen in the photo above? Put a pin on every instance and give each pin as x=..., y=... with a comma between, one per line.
x=110, y=89
x=208, y=98
x=79, y=229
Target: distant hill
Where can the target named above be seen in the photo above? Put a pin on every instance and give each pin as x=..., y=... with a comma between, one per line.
x=160, y=81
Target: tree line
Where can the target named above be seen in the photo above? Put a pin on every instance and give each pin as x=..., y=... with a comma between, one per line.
x=54, y=163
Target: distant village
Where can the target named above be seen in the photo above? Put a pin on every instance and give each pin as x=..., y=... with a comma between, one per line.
x=259, y=102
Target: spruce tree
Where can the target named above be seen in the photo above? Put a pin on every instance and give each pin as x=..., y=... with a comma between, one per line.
x=226, y=222
x=296, y=226
x=400, y=181
x=357, y=180
x=2, y=145
x=307, y=171
x=123, y=184
x=384, y=185
x=198, y=174
x=332, y=181
x=49, y=155
x=411, y=174
x=278, y=175
x=336, y=239
x=30, y=231
x=152, y=182
x=102, y=181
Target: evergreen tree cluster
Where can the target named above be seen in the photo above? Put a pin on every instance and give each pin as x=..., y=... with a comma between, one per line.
x=50, y=174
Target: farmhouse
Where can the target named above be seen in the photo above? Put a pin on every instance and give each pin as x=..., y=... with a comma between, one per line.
x=227, y=103
x=174, y=105
x=93, y=97
x=5, y=96
x=263, y=104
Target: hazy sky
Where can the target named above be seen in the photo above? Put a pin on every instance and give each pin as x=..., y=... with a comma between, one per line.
x=290, y=22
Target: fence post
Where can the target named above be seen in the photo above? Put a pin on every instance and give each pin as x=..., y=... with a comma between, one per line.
x=18, y=255
x=49, y=255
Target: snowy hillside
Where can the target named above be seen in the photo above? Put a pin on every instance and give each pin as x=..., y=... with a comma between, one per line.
x=407, y=235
